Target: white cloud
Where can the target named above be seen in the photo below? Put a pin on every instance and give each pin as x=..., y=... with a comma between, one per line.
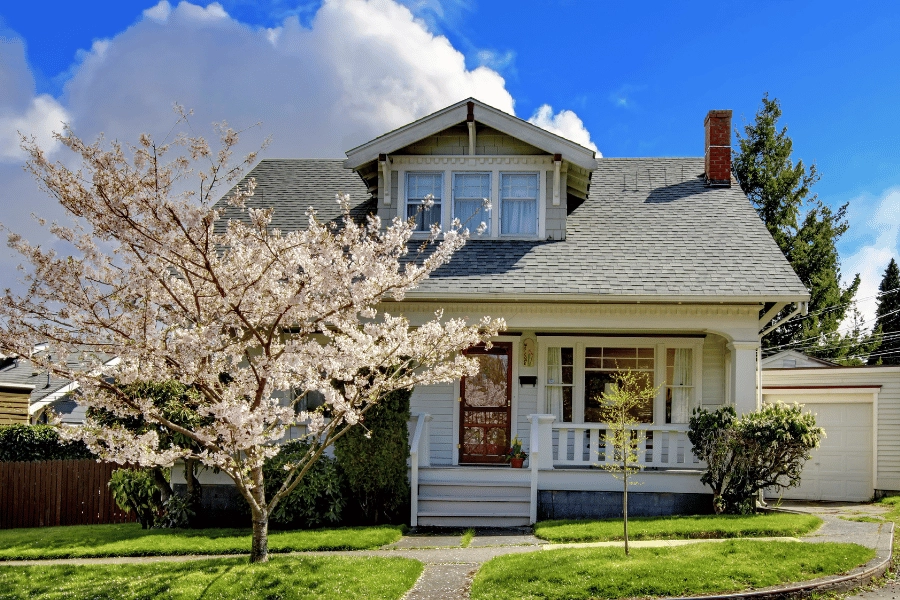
x=871, y=259
x=565, y=123
x=43, y=117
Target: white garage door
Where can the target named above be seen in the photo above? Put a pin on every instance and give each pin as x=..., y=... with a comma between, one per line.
x=841, y=468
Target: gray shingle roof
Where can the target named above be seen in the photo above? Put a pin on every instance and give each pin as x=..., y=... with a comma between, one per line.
x=650, y=228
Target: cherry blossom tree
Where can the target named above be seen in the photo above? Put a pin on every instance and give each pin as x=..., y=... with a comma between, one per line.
x=240, y=312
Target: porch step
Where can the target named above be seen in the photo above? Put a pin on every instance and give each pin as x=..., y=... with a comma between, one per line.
x=474, y=503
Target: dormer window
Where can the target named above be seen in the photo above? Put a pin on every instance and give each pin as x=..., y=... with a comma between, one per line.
x=469, y=193
x=418, y=186
x=518, y=203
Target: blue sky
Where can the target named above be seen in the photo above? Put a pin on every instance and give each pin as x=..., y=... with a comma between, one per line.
x=638, y=76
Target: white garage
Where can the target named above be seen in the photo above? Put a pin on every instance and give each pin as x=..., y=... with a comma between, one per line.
x=843, y=467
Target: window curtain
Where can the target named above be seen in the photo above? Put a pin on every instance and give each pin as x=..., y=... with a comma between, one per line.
x=682, y=397
x=554, y=392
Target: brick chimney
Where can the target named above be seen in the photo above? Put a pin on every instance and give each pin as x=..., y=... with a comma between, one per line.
x=717, y=158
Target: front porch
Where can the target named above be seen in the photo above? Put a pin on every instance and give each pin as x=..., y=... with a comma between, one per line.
x=562, y=478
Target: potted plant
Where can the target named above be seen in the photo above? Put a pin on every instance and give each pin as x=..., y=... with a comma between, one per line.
x=516, y=456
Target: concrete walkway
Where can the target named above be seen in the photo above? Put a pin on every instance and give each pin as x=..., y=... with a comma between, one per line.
x=449, y=568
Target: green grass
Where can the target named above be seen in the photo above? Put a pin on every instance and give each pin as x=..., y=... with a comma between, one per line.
x=862, y=519
x=78, y=541
x=701, y=568
x=305, y=577
x=670, y=528
x=466, y=539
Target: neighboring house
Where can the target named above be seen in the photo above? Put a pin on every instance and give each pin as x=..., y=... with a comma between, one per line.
x=29, y=393
x=859, y=407
x=659, y=265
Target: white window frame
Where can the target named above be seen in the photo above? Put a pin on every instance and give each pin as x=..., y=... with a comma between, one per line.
x=442, y=200
x=579, y=343
x=538, y=207
x=472, y=225
x=494, y=165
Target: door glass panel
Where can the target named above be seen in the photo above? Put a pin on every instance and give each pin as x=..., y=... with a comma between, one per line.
x=489, y=387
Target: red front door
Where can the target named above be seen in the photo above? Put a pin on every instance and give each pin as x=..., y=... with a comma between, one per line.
x=485, y=406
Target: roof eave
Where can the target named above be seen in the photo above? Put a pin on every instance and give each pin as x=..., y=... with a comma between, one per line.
x=605, y=298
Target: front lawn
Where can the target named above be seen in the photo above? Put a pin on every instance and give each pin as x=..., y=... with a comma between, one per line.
x=305, y=577
x=679, y=527
x=78, y=541
x=702, y=568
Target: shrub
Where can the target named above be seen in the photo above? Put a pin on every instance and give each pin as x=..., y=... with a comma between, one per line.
x=134, y=489
x=37, y=442
x=372, y=457
x=316, y=501
x=766, y=448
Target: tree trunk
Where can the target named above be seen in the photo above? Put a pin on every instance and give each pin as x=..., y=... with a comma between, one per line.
x=259, y=550
x=165, y=490
x=194, y=489
x=625, y=505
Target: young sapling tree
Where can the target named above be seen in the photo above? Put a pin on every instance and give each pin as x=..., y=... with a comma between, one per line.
x=623, y=442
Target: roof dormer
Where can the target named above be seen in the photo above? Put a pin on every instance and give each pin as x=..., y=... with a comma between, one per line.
x=469, y=151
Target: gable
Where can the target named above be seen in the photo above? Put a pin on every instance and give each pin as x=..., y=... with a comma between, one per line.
x=455, y=141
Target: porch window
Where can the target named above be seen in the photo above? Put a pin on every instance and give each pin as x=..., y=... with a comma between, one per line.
x=680, y=396
x=418, y=186
x=600, y=368
x=518, y=203
x=577, y=373
x=469, y=192
x=560, y=381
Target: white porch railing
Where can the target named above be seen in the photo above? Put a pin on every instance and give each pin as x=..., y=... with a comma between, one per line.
x=582, y=445
x=419, y=456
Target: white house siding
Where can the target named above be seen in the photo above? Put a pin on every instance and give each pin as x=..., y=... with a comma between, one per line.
x=714, y=372
x=439, y=402
x=527, y=405
x=887, y=411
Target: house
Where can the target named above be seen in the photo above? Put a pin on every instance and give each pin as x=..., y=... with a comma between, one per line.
x=859, y=408
x=28, y=393
x=658, y=265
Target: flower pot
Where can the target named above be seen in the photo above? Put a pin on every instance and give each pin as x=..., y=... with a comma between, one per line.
x=516, y=462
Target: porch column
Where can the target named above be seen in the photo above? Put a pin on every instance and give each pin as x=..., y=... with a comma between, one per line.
x=543, y=425
x=743, y=376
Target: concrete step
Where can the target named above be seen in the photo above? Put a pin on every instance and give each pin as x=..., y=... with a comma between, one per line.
x=482, y=491
x=470, y=506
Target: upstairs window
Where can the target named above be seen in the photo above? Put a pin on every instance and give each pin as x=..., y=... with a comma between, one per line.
x=418, y=187
x=469, y=193
x=518, y=203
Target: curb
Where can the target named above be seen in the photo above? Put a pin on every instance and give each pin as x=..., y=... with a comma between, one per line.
x=873, y=569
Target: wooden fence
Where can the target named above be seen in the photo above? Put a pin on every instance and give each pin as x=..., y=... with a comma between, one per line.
x=57, y=492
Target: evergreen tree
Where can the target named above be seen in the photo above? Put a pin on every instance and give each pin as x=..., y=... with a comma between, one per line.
x=888, y=317
x=804, y=228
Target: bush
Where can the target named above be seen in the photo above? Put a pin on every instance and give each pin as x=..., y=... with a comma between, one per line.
x=372, y=457
x=766, y=448
x=316, y=501
x=134, y=489
x=37, y=442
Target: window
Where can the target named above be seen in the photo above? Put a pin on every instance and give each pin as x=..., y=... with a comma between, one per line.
x=469, y=192
x=418, y=186
x=518, y=203
x=578, y=370
x=600, y=368
x=680, y=395
x=560, y=381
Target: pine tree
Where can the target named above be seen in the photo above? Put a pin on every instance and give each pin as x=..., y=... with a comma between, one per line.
x=804, y=228
x=888, y=317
